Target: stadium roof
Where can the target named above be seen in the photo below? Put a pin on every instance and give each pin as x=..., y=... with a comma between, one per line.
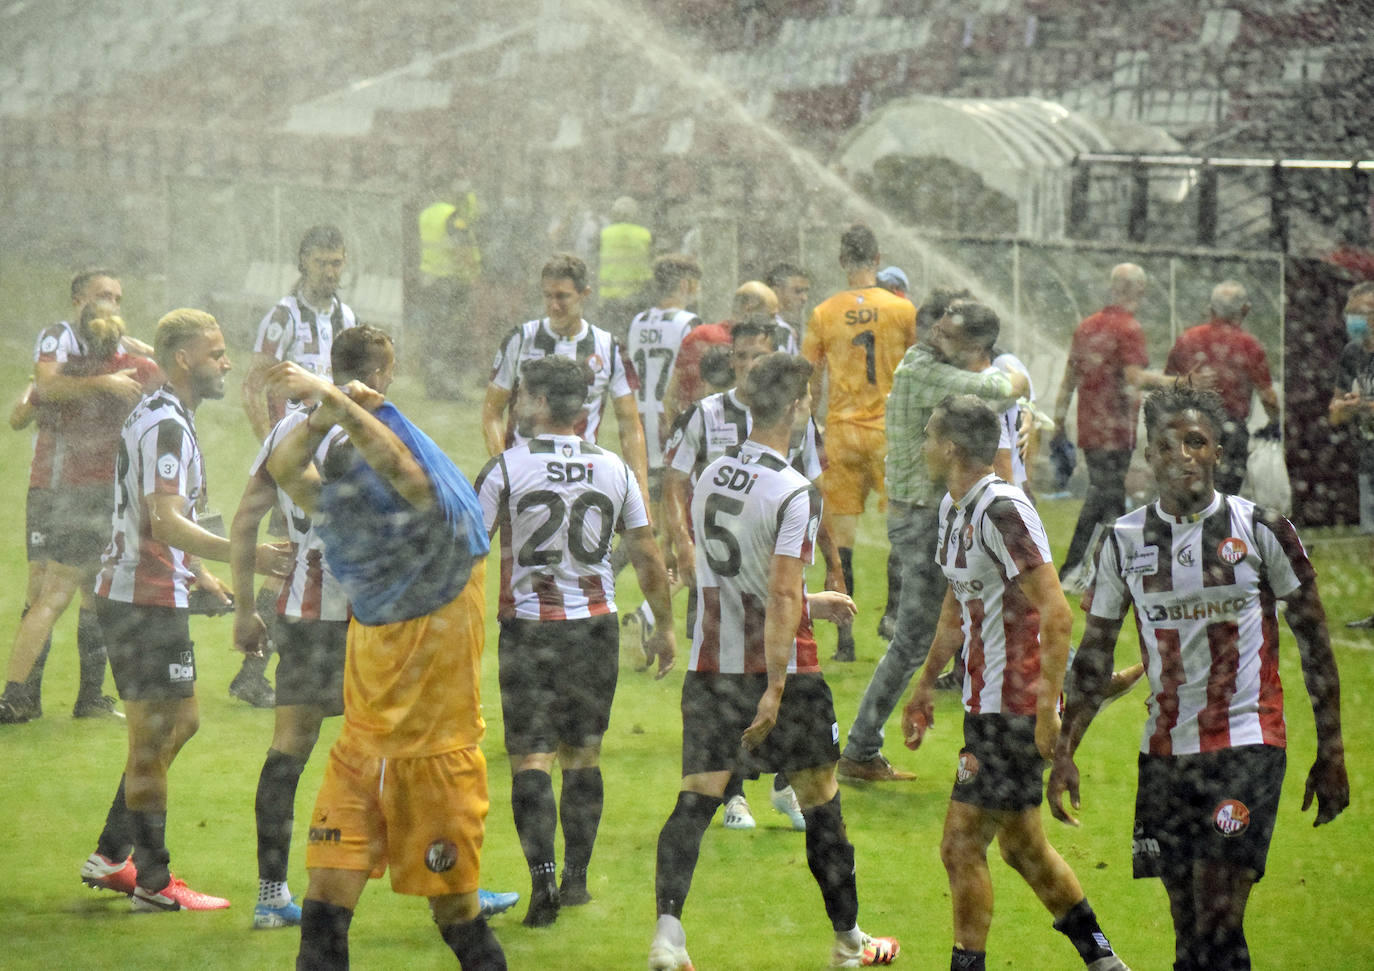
x=1020, y=147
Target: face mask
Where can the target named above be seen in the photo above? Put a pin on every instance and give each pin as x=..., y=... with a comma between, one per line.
x=1357, y=326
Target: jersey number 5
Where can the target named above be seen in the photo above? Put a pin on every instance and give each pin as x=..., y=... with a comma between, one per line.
x=723, y=535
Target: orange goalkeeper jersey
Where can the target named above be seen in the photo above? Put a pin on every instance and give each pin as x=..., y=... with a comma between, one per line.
x=859, y=336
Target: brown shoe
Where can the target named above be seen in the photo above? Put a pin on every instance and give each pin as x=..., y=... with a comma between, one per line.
x=876, y=769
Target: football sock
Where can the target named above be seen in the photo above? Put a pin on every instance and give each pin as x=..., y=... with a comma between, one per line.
x=274, y=809
x=580, y=811
x=679, y=843
x=847, y=568
x=780, y=781
x=150, y=849
x=324, y=937
x=733, y=787
x=35, y=679
x=1223, y=949
x=536, y=816
x=961, y=960
x=831, y=858
x=1080, y=926
x=475, y=946
x=273, y=893
x=90, y=648
x=117, y=838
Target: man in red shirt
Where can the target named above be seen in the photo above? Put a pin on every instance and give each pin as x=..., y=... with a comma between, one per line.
x=1241, y=368
x=1107, y=367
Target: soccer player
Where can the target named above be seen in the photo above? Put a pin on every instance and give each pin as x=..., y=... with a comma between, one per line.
x=792, y=286
x=855, y=340
x=1203, y=572
x=754, y=677
x=57, y=344
x=564, y=333
x=1004, y=606
x=406, y=783
x=147, y=571
x=301, y=328
x=558, y=501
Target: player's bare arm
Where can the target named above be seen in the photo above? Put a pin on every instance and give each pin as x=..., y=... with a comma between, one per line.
x=632, y=439
x=170, y=525
x=23, y=411
x=1041, y=587
x=255, y=394
x=250, y=632
x=647, y=560
x=1326, y=780
x=494, y=420
x=675, y=504
x=53, y=386
x=1088, y=685
x=830, y=553
x=786, y=589
x=831, y=605
x=919, y=713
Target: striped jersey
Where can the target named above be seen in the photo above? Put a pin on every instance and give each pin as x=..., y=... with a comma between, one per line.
x=558, y=500
x=987, y=540
x=785, y=336
x=655, y=337
x=747, y=508
x=56, y=344
x=158, y=454
x=1204, y=589
x=612, y=374
x=1007, y=363
x=718, y=424
x=310, y=592
x=293, y=330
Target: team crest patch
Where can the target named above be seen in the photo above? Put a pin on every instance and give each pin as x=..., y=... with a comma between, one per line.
x=968, y=768
x=596, y=363
x=49, y=345
x=567, y=450
x=274, y=332
x=167, y=465
x=966, y=536
x=441, y=856
x=1232, y=549
x=1185, y=556
x=1231, y=817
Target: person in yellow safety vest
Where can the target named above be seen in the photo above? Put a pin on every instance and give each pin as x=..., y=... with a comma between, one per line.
x=450, y=266
x=626, y=267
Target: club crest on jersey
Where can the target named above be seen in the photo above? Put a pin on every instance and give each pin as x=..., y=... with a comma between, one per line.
x=1231, y=817
x=968, y=768
x=49, y=344
x=566, y=449
x=966, y=536
x=1185, y=556
x=1232, y=549
x=596, y=363
x=274, y=332
x=441, y=856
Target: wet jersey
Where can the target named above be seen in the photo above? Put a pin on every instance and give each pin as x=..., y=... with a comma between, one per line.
x=653, y=342
x=988, y=539
x=747, y=508
x=558, y=501
x=158, y=455
x=310, y=592
x=1204, y=589
x=718, y=424
x=859, y=336
x=85, y=430
x=612, y=374
x=293, y=330
x=55, y=345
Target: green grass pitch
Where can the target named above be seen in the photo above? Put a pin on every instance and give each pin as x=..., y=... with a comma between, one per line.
x=753, y=905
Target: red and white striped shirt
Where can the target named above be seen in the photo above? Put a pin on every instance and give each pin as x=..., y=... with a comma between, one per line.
x=1204, y=589
x=988, y=539
x=158, y=455
x=653, y=342
x=747, y=508
x=55, y=345
x=557, y=501
x=310, y=592
x=612, y=374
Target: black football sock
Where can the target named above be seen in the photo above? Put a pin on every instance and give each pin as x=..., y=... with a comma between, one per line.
x=847, y=568
x=831, y=858
x=274, y=809
x=90, y=648
x=733, y=787
x=580, y=810
x=536, y=817
x=117, y=838
x=679, y=844
x=475, y=946
x=961, y=960
x=324, y=937
x=1080, y=926
x=780, y=781
x=150, y=849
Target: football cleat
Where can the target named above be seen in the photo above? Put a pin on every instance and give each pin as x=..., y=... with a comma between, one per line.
x=254, y=688
x=785, y=802
x=269, y=916
x=664, y=956
x=175, y=896
x=493, y=902
x=737, y=814
x=99, y=873
x=95, y=706
x=870, y=951
x=1109, y=963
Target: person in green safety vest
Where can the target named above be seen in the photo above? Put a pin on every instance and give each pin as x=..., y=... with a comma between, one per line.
x=450, y=267
x=626, y=267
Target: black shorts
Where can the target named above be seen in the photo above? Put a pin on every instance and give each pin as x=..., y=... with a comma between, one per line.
x=1000, y=769
x=717, y=708
x=37, y=524
x=150, y=650
x=80, y=525
x=310, y=665
x=557, y=681
x=1213, y=806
